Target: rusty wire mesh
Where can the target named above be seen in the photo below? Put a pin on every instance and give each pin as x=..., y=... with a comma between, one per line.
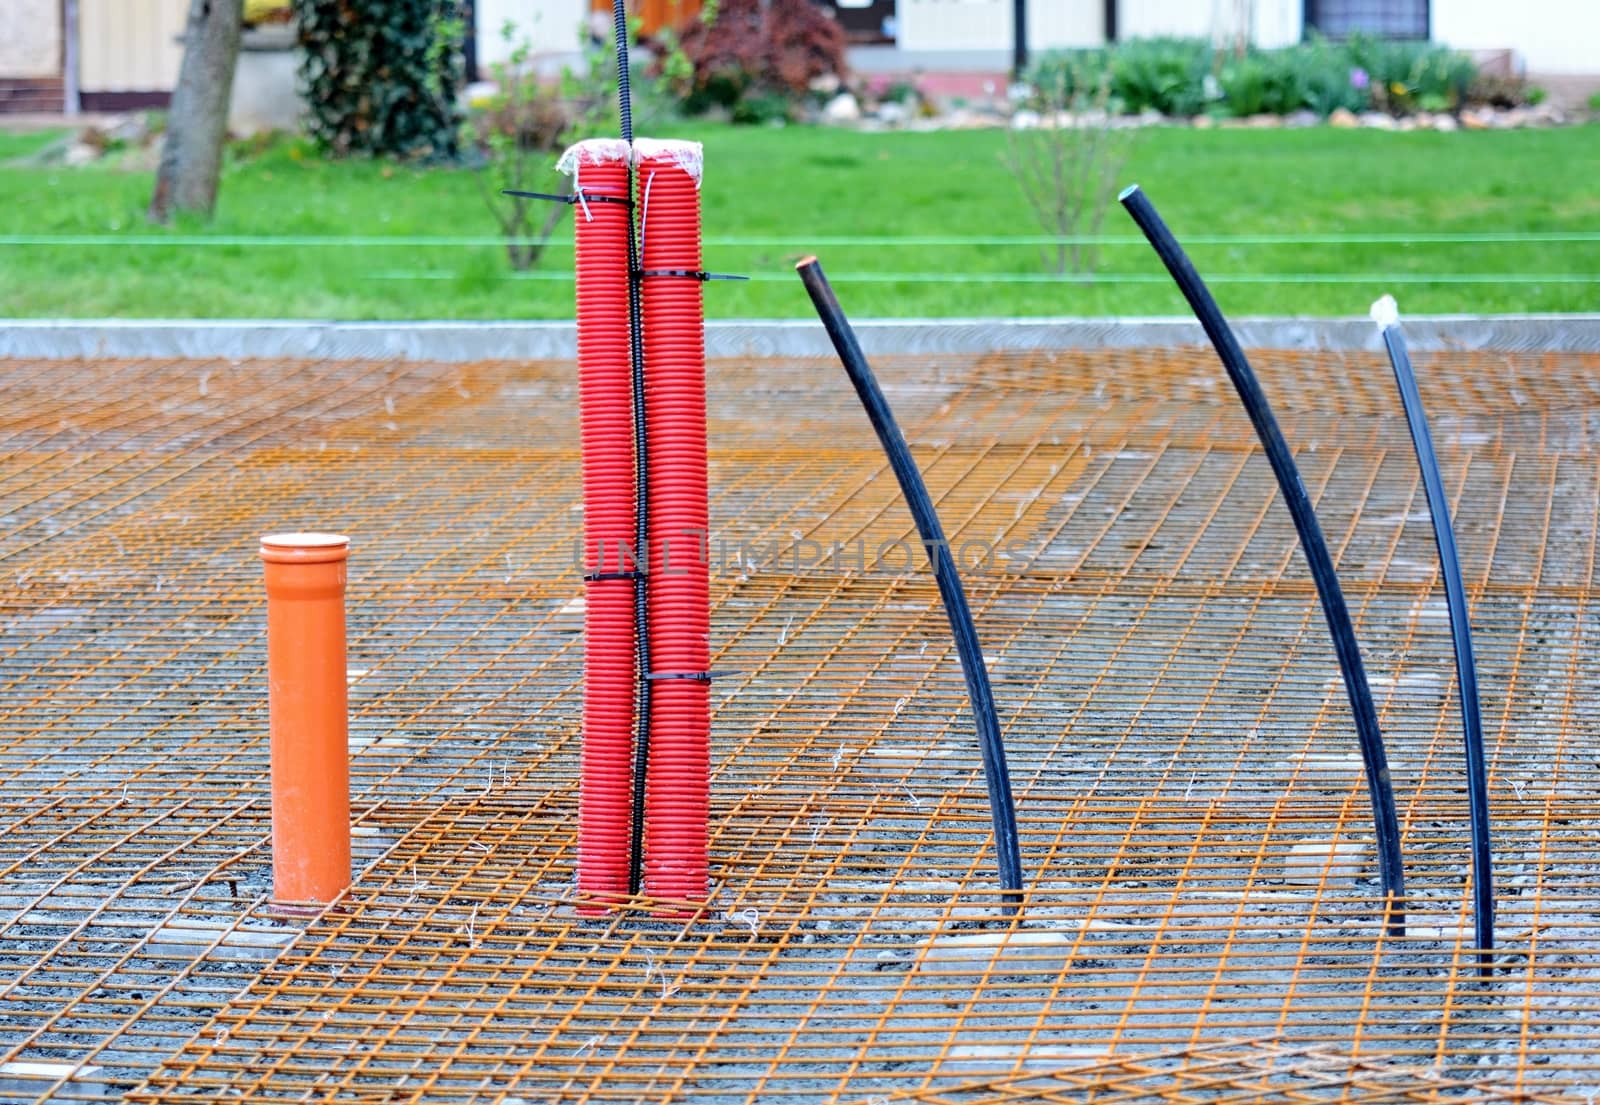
x=1181, y=749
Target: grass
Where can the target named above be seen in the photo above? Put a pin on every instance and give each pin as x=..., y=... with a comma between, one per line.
x=781, y=193
x=15, y=144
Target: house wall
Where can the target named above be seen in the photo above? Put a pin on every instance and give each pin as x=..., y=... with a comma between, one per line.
x=1064, y=24
x=130, y=45
x=1550, y=36
x=1059, y=24
x=30, y=38
x=954, y=24
x=1164, y=18
x=552, y=26
x=1278, y=22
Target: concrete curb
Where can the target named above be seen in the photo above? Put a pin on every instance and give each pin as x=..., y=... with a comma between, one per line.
x=202, y=339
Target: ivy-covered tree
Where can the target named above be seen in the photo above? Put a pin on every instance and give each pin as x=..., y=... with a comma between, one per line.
x=381, y=76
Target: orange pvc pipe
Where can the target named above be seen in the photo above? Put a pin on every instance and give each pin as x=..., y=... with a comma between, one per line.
x=307, y=704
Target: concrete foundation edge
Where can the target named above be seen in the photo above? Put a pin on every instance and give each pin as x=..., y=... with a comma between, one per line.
x=71, y=339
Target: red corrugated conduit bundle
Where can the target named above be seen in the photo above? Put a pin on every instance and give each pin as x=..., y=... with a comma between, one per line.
x=677, y=802
x=599, y=168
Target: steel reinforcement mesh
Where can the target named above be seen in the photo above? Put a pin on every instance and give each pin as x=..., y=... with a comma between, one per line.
x=1201, y=923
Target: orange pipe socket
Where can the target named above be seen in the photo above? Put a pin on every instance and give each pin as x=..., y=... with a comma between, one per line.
x=307, y=703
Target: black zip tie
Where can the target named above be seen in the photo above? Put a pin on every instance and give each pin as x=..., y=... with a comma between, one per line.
x=697, y=676
x=573, y=198
x=692, y=274
x=600, y=577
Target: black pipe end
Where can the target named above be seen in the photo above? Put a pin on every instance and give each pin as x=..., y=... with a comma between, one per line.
x=1130, y=190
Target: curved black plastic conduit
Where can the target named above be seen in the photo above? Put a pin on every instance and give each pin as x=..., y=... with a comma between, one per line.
x=1385, y=821
x=641, y=548
x=1387, y=318
x=1002, y=804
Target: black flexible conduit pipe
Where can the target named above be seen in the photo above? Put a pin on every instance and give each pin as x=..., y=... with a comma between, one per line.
x=1385, y=821
x=1002, y=804
x=641, y=549
x=1387, y=317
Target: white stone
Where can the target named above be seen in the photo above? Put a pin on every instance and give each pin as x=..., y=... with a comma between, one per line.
x=843, y=108
x=1025, y=120
x=80, y=154
x=1445, y=123
x=1377, y=120
x=893, y=112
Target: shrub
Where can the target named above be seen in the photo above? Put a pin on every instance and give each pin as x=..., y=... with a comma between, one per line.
x=1166, y=74
x=1410, y=76
x=1068, y=164
x=512, y=133
x=380, y=76
x=1244, y=85
x=755, y=52
x=1175, y=77
x=1330, y=78
x=1061, y=76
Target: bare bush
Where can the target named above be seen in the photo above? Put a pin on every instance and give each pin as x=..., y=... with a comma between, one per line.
x=1067, y=154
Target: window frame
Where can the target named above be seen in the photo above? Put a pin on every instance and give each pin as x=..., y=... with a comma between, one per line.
x=1309, y=16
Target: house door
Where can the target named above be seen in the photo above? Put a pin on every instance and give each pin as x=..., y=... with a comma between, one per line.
x=654, y=15
x=867, y=20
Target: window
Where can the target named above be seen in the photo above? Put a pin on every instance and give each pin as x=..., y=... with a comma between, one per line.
x=1385, y=18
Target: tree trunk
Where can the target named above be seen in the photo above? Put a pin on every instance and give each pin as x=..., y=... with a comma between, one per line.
x=197, y=125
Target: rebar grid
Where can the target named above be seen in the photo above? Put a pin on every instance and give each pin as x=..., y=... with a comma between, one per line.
x=1172, y=709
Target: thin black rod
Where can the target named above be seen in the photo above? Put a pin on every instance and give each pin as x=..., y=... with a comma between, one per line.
x=1461, y=633
x=1385, y=821
x=641, y=491
x=1002, y=804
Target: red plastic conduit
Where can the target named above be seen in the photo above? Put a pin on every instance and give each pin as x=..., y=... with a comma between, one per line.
x=677, y=796
x=599, y=168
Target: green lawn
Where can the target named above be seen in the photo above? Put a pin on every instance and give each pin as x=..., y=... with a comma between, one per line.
x=772, y=195
x=15, y=144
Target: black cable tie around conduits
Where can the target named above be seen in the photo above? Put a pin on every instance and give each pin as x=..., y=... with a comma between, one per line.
x=641, y=609
x=1387, y=316
x=691, y=274
x=567, y=198
x=1386, y=822
x=1002, y=804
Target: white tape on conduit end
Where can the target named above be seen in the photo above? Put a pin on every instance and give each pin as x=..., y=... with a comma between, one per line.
x=688, y=156
x=1386, y=312
x=592, y=151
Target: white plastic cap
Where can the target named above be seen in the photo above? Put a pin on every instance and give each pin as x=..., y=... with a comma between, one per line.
x=593, y=151
x=1386, y=312
x=305, y=540
x=688, y=156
